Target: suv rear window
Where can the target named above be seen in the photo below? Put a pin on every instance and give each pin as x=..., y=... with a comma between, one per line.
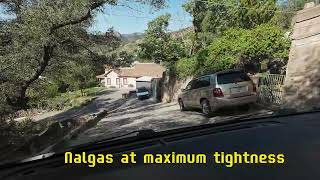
x=232, y=77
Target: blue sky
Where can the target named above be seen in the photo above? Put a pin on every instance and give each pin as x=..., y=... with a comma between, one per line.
x=135, y=19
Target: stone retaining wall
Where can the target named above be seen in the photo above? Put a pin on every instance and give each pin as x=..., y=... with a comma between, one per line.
x=302, y=83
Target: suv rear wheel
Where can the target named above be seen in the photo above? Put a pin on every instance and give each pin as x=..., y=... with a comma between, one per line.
x=206, y=108
x=181, y=105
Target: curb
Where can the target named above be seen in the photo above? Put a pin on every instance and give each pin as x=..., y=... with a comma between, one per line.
x=269, y=107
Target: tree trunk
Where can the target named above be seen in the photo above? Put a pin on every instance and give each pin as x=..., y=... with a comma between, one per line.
x=196, y=21
x=81, y=91
x=19, y=99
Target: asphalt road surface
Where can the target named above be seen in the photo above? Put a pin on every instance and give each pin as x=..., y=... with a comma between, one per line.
x=137, y=115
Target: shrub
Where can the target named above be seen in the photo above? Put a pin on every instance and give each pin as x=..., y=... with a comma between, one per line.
x=17, y=133
x=186, y=67
x=247, y=48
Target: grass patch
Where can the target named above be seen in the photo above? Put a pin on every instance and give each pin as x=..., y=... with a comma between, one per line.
x=73, y=99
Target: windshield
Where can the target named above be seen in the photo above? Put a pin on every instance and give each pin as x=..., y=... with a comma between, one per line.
x=77, y=69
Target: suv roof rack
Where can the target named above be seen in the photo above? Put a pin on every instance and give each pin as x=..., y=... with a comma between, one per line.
x=220, y=72
x=230, y=70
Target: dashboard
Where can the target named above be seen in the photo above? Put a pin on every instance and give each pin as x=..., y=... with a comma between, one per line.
x=295, y=137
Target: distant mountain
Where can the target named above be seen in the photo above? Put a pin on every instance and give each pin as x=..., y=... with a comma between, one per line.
x=130, y=42
x=182, y=32
x=131, y=37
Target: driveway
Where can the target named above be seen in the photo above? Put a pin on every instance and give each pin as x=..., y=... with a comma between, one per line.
x=136, y=115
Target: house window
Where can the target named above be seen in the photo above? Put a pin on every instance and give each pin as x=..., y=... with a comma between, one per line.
x=108, y=81
x=118, y=81
x=125, y=81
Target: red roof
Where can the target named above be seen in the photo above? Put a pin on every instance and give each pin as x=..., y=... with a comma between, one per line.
x=139, y=70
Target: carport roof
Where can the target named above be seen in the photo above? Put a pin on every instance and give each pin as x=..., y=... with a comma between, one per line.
x=145, y=79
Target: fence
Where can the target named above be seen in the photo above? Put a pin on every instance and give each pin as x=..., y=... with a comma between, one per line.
x=270, y=88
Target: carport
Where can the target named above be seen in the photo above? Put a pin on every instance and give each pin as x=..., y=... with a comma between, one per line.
x=152, y=84
x=144, y=81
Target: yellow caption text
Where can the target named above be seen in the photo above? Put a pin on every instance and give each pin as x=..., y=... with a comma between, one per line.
x=227, y=159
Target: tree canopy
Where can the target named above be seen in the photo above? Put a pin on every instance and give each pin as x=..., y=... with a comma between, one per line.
x=46, y=35
x=158, y=44
x=246, y=33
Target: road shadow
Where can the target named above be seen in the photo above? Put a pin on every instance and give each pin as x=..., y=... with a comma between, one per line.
x=89, y=125
x=104, y=92
x=231, y=111
x=138, y=107
x=98, y=104
x=135, y=115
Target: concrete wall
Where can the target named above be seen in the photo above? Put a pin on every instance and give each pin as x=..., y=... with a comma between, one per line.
x=171, y=88
x=302, y=83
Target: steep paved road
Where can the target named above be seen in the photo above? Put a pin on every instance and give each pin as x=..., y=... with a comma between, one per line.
x=137, y=115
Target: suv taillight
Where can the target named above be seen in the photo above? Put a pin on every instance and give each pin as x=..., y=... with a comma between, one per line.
x=217, y=92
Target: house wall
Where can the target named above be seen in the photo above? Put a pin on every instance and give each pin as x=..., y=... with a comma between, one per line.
x=102, y=82
x=112, y=76
x=131, y=82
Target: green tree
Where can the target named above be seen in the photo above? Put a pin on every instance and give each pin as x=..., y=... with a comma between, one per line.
x=247, y=48
x=239, y=33
x=287, y=10
x=79, y=77
x=197, y=9
x=212, y=17
x=252, y=13
x=186, y=67
x=124, y=59
x=40, y=34
x=158, y=44
x=154, y=45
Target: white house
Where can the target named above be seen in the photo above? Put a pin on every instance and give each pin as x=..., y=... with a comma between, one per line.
x=126, y=77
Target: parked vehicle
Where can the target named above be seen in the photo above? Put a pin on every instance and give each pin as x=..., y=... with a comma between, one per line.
x=219, y=90
x=143, y=93
x=132, y=93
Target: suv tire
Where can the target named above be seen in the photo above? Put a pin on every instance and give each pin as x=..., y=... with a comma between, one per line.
x=181, y=105
x=245, y=107
x=206, y=108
